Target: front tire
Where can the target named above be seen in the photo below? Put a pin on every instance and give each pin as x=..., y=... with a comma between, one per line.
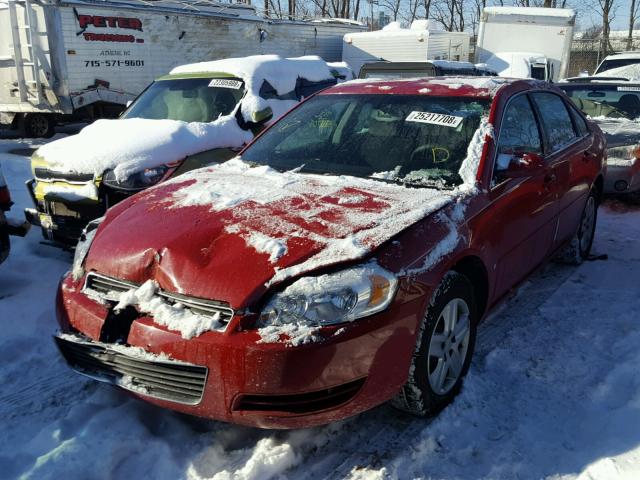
x=444, y=348
x=579, y=248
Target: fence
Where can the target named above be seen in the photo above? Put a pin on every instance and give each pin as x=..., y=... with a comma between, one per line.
x=586, y=54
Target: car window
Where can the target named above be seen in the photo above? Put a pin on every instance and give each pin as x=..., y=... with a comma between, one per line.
x=606, y=101
x=579, y=122
x=187, y=99
x=555, y=120
x=410, y=139
x=519, y=132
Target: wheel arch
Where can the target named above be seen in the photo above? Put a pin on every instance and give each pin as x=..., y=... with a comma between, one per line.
x=474, y=269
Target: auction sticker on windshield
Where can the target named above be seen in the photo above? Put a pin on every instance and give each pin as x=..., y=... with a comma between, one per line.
x=224, y=83
x=434, y=119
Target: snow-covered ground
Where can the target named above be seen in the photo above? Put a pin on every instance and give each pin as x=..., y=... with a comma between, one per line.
x=553, y=391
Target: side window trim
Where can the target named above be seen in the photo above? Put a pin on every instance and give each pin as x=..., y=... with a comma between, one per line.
x=573, y=112
x=576, y=138
x=502, y=118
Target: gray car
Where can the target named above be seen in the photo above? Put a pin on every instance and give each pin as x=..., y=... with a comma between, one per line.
x=615, y=107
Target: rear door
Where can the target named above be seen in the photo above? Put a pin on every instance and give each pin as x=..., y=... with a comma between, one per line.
x=567, y=149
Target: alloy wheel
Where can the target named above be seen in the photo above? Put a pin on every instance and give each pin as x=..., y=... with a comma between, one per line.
x=448, y=346
x=587, y=224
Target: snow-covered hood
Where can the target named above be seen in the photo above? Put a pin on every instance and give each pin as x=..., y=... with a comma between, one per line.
x=619, y=131
x=230, y=231
x=130, y=145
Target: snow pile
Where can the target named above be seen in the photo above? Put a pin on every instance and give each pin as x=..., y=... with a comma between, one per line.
x=130, y=145
x=293, y=334
x=281, y=73
x=273, y=247
x=491, y=84
x=71, y=194
x=469, y=168
x=392, y=26
x=173, y=316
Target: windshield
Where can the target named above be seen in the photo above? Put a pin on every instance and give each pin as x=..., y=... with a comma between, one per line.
x=606, y=101
x=410, y=139
x=617, y=63
x=187, y=99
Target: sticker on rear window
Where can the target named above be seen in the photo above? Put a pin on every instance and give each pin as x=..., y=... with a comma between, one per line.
x=434, y=119
x=629, y=89
x=224, y=83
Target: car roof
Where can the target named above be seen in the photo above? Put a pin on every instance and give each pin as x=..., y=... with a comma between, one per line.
x=623, y=56
x=456, y=86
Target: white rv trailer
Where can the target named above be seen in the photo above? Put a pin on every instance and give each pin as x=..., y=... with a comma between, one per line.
x=418, y=43
x=526, y=42
x=65, y=56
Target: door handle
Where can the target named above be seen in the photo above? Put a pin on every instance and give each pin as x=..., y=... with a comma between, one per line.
x=550, y=178
x=586, y=156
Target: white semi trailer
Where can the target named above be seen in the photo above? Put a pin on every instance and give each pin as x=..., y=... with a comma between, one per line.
x=64, y=58
x=419, y=43
x=526, y=42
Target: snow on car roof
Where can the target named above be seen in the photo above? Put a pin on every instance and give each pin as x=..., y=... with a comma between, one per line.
x=469, y=86
x=531, y=11
x=280, y=72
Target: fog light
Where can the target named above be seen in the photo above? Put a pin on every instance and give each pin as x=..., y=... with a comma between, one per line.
x=620, y=186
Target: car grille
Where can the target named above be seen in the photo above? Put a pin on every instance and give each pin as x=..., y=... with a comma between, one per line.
x=110, y=288
x=302, y=402
x=46, y=174
x=163, y=379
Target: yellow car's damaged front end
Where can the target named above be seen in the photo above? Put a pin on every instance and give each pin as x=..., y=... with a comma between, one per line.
x=64, y=201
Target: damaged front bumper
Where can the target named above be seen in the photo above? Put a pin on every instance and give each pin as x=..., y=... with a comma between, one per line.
x=62, y=210
x=233, y=375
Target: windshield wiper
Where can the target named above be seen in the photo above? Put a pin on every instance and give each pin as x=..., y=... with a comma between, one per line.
x=439, y=185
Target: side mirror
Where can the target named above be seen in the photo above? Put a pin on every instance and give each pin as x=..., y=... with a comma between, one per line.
x=262, y=115
x=520, y=165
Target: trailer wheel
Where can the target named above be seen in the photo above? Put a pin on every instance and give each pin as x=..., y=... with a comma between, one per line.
x=39, y=125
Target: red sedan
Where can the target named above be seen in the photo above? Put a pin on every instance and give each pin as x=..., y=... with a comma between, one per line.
x=343, y=260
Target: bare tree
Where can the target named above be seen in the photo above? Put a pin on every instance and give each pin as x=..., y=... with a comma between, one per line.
x=633, y=15
x=608, y=10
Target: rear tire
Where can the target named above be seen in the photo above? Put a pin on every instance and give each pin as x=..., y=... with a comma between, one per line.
x=579, y=248
x=443, y=350
x=39, y=125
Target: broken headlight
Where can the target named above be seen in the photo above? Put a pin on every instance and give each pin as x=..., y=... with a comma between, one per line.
x=136, y=181
x=333, y=298
x=82, y=248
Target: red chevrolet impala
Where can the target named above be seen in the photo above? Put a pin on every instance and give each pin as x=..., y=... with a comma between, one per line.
x=344, y=259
